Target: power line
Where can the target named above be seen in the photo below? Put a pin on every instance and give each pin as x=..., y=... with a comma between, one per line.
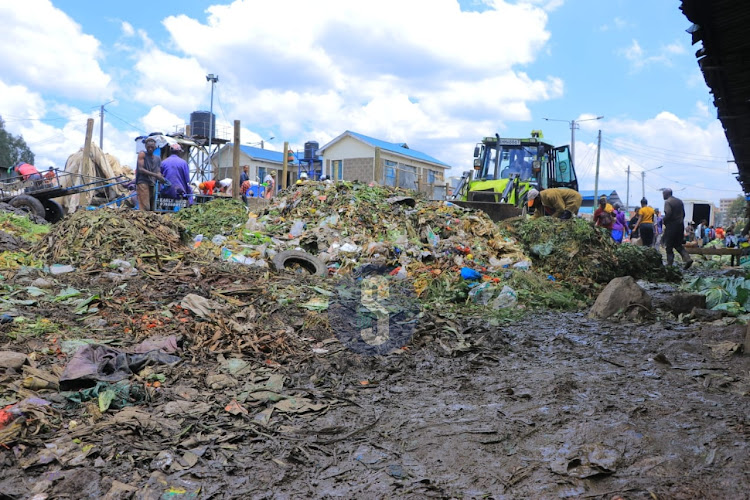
x=125, y=122
x=637, y=146
x=663, y=158
x=695, y=187
x=218, y=100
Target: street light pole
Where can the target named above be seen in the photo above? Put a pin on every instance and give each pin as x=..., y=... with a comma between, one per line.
x=643, y=180
x=573, y=126
x=213, y=79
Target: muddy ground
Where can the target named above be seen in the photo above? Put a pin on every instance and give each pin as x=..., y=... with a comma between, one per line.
x=554, y=405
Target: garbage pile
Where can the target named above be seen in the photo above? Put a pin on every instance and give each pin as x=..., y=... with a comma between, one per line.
x=347, y=225
x=219, y=216
x=446, y=251
x=89, y=238
x=579, y=253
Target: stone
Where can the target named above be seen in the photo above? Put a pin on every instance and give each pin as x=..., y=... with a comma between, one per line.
x=701, y=314
x=11, y=359
x=620, y=295
x=680, y=303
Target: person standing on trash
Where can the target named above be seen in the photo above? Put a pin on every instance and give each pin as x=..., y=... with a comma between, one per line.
x=270, y=184
x=645, y=223
x=674, y=227
x=558, y=202
x=245, y=182
x=177, y=172
x=620, y=225
x=603, y=215
x=147, y=172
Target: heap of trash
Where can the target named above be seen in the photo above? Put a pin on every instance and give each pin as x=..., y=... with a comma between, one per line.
x=584, y=255
x=346, y=225
x=89, y=238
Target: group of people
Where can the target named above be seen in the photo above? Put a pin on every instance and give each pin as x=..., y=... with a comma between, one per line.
x=611, y=217
x=173, y=173
x=703, y=234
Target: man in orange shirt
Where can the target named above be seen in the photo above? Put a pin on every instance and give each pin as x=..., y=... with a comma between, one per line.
x=207, y=187
x=28, y=171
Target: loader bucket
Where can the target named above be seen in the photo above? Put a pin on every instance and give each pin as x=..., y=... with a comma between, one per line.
x=495, y=211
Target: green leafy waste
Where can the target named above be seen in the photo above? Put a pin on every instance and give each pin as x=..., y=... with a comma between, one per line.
x=218, y=216
x=731, y=294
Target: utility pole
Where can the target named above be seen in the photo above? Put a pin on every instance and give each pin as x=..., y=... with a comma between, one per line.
x=101, y=124
x=213, y=79
x=643, y=184
x=87, y=147
x=573, y=126
x=596, y=177
x=627, y=196
x=236, y=162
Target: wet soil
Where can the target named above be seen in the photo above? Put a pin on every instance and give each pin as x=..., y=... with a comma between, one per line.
x=554, y=406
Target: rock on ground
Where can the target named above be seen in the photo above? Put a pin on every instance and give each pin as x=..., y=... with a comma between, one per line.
x=619, y=295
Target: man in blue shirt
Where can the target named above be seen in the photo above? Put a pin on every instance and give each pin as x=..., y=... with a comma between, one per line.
x=176, y=171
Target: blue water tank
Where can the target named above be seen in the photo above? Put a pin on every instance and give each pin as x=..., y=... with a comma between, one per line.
x=202, y=124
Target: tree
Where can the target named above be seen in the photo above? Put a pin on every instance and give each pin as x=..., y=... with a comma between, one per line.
x=13, y=149
x=736, y=209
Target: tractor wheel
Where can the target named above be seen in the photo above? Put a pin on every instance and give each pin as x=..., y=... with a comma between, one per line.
x=28, y=204
x=54, y=212
x=293, y=260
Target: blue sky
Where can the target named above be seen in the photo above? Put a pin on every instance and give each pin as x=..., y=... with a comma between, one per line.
x=436, y=74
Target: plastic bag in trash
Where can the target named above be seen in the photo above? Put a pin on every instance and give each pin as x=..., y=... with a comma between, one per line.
x=482, y=294
x=469, y=274
x=506, y=298
x=297, y=228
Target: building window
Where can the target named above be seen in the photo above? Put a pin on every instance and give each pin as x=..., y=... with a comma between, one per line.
x=390, y=163
x=337, y=170
x=407, y=177
x=390, y=176
x=430, y=177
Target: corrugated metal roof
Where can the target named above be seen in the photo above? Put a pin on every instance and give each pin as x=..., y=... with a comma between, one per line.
x=262, y=154
x=724, y=59
x=398, y=148
x=589, y=193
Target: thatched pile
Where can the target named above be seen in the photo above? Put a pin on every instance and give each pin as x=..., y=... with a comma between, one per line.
x=100, y=166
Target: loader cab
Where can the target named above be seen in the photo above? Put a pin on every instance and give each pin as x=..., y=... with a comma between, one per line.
x=556, y=169
x=506, y=159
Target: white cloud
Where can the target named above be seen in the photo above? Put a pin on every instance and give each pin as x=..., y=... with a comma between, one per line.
x=357, y=67
x=159, y=119
x=127, y=29
x=57, y=56
x=639, y=58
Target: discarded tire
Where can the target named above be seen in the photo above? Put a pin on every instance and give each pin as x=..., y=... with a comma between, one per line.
x=28, y=204
x=54, y=212
x=296, y=260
